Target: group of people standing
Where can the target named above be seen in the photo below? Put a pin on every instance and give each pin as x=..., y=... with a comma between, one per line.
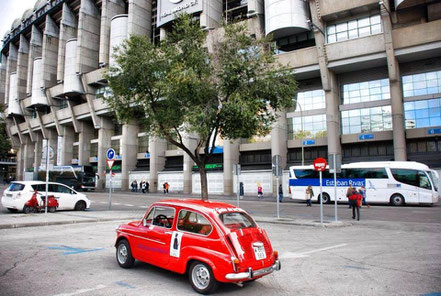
x=144, y=186
x=355, y=197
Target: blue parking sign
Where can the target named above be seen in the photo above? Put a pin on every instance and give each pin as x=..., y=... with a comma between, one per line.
x=110, y=153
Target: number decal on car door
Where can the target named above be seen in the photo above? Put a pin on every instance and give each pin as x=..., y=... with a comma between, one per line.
x=175, y=244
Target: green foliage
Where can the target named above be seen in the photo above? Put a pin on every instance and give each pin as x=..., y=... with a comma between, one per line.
x=5, y=143
x=178, y=87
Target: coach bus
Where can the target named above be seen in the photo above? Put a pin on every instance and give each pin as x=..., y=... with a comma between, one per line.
x=80, y=177
x=393, y=182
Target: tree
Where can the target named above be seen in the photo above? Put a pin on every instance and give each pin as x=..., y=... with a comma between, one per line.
x=5, y=143
x=179, y=88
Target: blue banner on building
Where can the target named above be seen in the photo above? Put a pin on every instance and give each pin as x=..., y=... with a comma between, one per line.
x=328, y=182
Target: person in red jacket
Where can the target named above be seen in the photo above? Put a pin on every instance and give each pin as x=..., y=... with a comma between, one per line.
x=355, y=202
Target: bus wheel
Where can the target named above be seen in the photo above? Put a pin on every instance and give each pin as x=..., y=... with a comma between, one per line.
x=326, y=198
x=397, y=200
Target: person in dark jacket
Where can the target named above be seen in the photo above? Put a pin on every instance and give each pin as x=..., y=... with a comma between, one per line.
x=355, y=202
x=241, y=190
x=280, y=193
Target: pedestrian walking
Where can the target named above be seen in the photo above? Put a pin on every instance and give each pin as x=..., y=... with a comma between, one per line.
x=362, y=192
x=134, y=185
x=147, y=186
x=166, y=187
x=163, y=187
x=280, y=192
x=140, y=186
x=144, y=186
x=241, y=190
x=308, y=195
x=355, y=200
x=259, y=191
x=348, y=194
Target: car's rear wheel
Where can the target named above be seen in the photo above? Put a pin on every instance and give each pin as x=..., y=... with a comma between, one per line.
x=12, y=210
x=124, y=254
x=27, y=209
x=201, y=278
x=52, y=209
x=80, y=206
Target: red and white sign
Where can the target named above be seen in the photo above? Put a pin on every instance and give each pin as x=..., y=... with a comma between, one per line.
x=110, y=163
x=320, y=164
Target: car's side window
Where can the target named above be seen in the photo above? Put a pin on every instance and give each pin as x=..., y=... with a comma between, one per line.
x=193, y=222
x=161, y=216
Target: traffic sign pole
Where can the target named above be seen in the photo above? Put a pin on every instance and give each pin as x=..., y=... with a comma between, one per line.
x=335, y=186
x=47, y=174
x=321, y=199
x=110, y=156
x=320, y=166
x=110, y=190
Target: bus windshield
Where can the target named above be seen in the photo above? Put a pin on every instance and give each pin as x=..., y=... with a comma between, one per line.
x=435, y=179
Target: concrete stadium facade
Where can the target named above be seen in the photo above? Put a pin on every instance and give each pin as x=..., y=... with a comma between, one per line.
x=369, y=77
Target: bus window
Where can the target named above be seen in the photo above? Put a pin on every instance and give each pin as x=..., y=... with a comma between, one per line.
x=424, y=181
x=409, y=177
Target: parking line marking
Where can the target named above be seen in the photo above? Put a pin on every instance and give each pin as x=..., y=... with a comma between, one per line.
x=70, y=250
x=127, y=205
x=126, y=285
x=291, y=255
x=81, y=291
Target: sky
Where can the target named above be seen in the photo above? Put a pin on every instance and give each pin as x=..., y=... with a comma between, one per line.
x=10, y=10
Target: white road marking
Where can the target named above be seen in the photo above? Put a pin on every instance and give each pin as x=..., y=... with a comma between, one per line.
x=127, y=205
x=288, y=255
x=144, y=207
x=81, y=291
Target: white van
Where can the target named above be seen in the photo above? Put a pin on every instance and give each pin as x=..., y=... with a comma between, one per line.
x=19, y=192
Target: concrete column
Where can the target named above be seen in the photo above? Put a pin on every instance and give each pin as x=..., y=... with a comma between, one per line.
x=11, y=66
x=22, y=67
x=109, y=9
x=105, y=134
x=28, y=154
x=67, y=141
x=190, y=142
x=140, y=17
x=129, y=150
x=35, y=48
x=50, y=52
x=19, y=172
x=332, y=97
x=85, y=135
x=157, y=149
x=88, y=37
x=38, y=145
x=231, y=157
x=2, y=78
x=279, y=143
x=329, y=84
x=68, y=30
x=211, y=16
x=398, y=131
x=52, y=137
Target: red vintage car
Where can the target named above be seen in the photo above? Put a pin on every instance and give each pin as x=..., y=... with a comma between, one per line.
x=211, y=241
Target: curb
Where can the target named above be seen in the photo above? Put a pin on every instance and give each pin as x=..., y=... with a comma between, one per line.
x=284, y=221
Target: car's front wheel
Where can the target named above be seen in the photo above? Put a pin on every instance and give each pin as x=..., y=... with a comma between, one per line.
x=201, y=278
x=80, y=206
x=124, y=254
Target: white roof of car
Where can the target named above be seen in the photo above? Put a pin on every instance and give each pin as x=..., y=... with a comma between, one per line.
x=35, y=182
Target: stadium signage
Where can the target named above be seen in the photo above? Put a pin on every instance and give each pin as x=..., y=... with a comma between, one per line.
x=168, y=9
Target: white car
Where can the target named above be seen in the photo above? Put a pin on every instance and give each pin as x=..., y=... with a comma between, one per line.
x=19, y=192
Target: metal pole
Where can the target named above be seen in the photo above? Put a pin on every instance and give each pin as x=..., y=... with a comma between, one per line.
x=47, y=174
x=301, y=123
x=335, y=187
x=110, y=191
x=277, y=192
x=321, y=200
x=237, y=186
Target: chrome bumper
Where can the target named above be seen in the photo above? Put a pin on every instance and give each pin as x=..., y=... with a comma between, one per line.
x=250, y=274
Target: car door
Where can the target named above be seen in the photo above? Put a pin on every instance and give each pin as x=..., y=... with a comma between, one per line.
x=63, y=193
x=153, y=243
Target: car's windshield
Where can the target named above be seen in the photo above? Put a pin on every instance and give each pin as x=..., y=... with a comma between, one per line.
x=435, y=180
x=237, y=220
x=16, y=187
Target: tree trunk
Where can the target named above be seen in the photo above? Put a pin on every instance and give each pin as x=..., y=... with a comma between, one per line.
x=204, y=183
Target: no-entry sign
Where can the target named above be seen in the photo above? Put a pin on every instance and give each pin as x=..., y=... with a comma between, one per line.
x=320, y=164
